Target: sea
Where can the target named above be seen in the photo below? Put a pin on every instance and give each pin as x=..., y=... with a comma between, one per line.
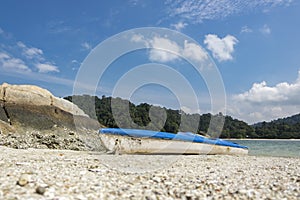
x=268, y=147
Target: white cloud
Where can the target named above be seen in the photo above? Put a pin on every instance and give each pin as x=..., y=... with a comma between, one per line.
x=21, y=45
x=31, y=56
x=246, y=29
x=189, y=110
x=161, y=56
x=86, y=46
x=163, y=49
x=10, y=63
x=179, y=26
x=4, y=56
x=164, y=43
x=266, y=30
x=198, y=11
x=281, y=93
x=263, y=102
x=159, y=46
x=222, y=48
x=45, y=68
x=36, y=58
x=31, y=52
x=137, y=38
x=193, y=51
x=260, y=92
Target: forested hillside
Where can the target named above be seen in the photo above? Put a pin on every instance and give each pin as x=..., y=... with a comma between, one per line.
x=101, y=110
x=281, y=128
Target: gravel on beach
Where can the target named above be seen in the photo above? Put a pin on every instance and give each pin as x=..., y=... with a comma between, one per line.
x=66, y=174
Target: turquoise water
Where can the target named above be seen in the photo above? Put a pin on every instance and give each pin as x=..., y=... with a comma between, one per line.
x=282, y=148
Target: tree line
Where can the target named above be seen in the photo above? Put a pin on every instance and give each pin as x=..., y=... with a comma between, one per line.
x=117, y=112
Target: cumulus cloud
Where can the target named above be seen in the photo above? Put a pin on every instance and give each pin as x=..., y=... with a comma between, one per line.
x=45, y=68
x=162, y=49
x=266, y=30
x=158, y=51
x=161, y=56
x=199, y=11
x=10, y=63
x=263, y=102
x=222, y=48
x=253, y=113
x=283, y=93
x=179, y=26
x=193, y=51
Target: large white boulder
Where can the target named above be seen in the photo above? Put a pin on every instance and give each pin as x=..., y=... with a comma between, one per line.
x=67, y=106
x=26, y=94
x=34, y=95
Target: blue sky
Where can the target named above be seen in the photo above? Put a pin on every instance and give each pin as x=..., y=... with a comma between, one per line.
x=254, y=44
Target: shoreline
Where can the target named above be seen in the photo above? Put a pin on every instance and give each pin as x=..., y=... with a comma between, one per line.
x=67, y=174
x=271, y=147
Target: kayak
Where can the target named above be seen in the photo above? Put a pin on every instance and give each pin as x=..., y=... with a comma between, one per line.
x=137, y=141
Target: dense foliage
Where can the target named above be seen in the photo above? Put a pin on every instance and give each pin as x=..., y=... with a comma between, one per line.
x=108, y=111
x=281, y=128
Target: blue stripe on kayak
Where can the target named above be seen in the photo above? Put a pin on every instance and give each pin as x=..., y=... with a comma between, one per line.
x=183, y=136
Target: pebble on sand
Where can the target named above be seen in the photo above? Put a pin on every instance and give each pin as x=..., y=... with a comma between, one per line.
x=23, y=180
x=40, y=190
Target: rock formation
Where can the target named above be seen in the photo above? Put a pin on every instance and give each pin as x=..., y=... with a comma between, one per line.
x=36, y=96
x=39, y=119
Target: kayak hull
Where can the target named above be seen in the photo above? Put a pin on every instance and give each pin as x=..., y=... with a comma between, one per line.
x=121, y=144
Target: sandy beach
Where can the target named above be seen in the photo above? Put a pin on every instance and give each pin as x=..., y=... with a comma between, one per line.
x=65, y=174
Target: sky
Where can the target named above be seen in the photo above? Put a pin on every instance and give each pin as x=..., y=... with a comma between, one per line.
x=253, y=46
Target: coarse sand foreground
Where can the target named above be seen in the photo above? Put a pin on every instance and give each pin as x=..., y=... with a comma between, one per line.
x=63, y=174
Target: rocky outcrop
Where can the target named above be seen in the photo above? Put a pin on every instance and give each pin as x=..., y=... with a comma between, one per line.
x=67, y=106
x=36, y=96
x=25, y=95
x=32, y=106
x=31, y=116
x=3, y=114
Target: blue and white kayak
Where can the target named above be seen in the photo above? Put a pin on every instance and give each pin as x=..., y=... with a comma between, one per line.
x=136, y=141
